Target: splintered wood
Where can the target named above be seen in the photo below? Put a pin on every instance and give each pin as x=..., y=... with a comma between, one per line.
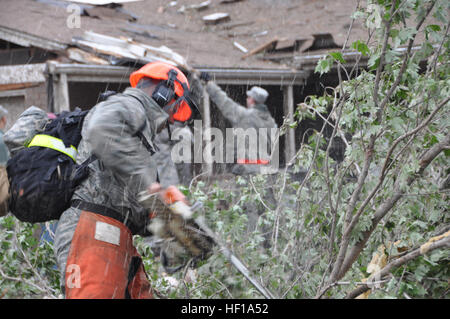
x=216, y=18
x=263, y=47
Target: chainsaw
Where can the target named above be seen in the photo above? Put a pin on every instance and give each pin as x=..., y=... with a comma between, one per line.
x=173, y=218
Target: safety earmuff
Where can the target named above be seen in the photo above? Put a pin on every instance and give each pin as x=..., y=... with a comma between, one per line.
x=165, y=90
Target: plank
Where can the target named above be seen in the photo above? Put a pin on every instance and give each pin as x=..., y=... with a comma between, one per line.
x=263, y=47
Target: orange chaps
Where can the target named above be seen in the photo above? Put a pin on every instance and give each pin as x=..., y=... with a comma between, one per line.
x=103, y=263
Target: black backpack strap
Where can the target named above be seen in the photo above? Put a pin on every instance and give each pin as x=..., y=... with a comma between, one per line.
x=80, y=172
x=89, y=160
x=139, y=133
x=144, y=140
x=169, y=132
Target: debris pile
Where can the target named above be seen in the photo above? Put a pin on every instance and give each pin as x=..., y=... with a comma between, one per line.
x=102, y=49
x=234, y=38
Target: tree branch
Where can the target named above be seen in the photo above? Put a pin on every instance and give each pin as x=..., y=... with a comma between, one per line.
x=383, y=172
x=383, y=53
x=350, y=222
x=394, y=86
x=44, y=289
x=348, y=214
x=425, y=160
x=442, y=243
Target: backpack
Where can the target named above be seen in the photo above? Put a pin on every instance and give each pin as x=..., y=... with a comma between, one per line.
x=44, y=175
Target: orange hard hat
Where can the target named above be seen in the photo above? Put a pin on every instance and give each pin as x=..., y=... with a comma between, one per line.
x=160, y=71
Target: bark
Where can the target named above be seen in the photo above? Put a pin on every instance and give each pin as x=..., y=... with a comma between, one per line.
x=442, y=243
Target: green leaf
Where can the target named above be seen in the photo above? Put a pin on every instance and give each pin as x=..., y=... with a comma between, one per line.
x=420, y=272
x=397, y=124
x=361, y=47
x=433, y=27
x=337, y=56
x=406, y=34
x=373, y=62
x=324, y=65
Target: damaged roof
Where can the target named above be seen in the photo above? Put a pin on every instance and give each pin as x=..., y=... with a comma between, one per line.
x=233, y=34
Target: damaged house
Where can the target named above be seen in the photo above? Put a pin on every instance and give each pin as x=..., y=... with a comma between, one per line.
x=59, y=55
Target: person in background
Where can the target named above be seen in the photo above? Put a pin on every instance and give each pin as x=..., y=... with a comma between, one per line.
x=255, y=115
x=4, y=156
x=4, y=153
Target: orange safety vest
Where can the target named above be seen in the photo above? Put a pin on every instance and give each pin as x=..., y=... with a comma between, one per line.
x=248, y=161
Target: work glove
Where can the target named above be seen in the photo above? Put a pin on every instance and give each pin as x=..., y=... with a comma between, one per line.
x=173, y=220
x=205, y=76
x=105, y=95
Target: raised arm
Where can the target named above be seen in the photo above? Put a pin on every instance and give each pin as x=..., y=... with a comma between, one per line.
x=231, y=110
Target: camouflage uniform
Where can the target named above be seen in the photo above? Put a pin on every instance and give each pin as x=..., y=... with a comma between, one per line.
x=31, y=122
x=4, y=153
x=169, y=171
x=124, y=166
x=242, y=117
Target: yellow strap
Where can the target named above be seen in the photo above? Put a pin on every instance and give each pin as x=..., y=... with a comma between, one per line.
x=53, y=143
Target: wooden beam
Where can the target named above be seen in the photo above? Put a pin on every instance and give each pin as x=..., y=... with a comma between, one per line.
x=263, y=47
x=22, y=73
x=108, y=73
x=12, y=93
x=60, y=93
x=16, y=86
x=30, y=40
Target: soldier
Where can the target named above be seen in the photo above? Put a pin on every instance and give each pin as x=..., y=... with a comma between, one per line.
x=93, y=242
x=255, y=116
